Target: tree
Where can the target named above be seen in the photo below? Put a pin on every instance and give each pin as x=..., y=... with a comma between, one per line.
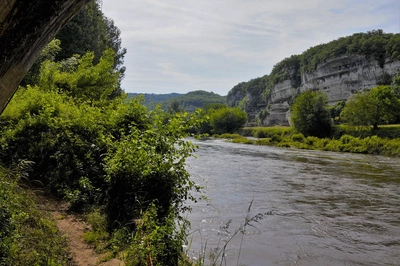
x=228, y=120
x=378, y=106
x=80, y=77
x=310, y=115
x=91, y=31
x=175, y=106
x=26, y=27
x=357, y=110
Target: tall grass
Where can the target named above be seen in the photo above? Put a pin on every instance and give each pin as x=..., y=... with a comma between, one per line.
x=28, y=236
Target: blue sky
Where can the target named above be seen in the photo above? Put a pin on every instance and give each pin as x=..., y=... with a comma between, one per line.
x=212, y=45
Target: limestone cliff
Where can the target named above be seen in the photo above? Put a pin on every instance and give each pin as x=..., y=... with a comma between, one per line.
x=339, y=78
x=339, y=68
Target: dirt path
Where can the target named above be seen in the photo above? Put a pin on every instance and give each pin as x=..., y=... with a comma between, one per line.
x=72, y=226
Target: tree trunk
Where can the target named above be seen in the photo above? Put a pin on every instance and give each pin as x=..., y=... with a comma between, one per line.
x=26, y=26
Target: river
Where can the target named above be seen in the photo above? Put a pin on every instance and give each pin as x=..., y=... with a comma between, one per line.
x=321, y=208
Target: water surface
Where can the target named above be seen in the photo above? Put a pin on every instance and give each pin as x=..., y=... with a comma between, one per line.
x=325, y=208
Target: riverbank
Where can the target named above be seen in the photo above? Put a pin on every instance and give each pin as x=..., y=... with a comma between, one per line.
x=384, y=141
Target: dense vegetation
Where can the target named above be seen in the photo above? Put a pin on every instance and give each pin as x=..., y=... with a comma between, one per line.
x=106, y=155
x=151, y=100
x=185, y=102
x=310, y=115
x=109, y=157
x=88, y=30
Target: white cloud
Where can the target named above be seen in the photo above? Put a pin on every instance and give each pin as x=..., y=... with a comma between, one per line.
x=185, y=45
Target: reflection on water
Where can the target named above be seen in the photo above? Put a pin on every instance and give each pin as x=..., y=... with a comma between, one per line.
x=328, y=208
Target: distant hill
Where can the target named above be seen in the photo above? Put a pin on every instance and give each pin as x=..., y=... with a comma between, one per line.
x=152, y=99
x=198, y=99
x=189, y=101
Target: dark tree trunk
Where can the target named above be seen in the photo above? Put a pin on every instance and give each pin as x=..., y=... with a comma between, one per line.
x=26, y=26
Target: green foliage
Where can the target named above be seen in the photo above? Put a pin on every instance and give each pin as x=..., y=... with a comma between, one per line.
x=151, y=100
x=90, y=30
x=147, y=167
x=98, y=235
x=228, y=120
x=175, y=107
x=63, y=139
x=198, y=99
x=155, y=242
x=83, y=80
x=246, y=94
x=109, y=154
x=288, y=68
x=24, y=230
x=378, y=106
x=310, y=115
x=383, y=141
x=336, y=110
x=374, y=45
x=187, y=102
x=298, y=137
x=243, y=140
x=48, y=53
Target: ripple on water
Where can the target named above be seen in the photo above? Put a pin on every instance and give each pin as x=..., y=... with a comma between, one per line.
x=327, y=208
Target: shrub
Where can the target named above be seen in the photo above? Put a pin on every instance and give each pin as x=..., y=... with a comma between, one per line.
x=243, y=140
x=276, y=138
x=310, y=115
x=228, y=120
x=298, y=137
x=260, y=133
x=266, y=141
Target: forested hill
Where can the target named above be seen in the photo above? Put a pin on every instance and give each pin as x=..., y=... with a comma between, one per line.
x=153, y=99
x=339, y=68
x=189, y=101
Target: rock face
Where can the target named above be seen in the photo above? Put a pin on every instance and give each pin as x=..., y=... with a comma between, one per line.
x=339, y=78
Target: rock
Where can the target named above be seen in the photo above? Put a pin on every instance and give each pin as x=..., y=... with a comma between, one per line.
x=339, y=78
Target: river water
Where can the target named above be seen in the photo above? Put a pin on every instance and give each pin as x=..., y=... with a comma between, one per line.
x=321, y=208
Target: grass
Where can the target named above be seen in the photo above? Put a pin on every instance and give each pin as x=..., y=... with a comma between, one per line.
x=384, y=141
x=28, y=236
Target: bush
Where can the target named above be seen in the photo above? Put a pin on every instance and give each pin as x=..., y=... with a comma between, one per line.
x=260, y=133
x=298, y=137
x=228, y=120
x=243, y=140
x=310, y=115
x=116, y=157
x=266, y=141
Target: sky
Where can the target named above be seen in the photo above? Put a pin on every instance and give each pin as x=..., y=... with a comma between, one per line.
x=212, y=45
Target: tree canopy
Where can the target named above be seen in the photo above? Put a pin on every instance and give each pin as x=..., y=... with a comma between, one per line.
x=375, y=107
x=227, y=120
x=310, y=115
